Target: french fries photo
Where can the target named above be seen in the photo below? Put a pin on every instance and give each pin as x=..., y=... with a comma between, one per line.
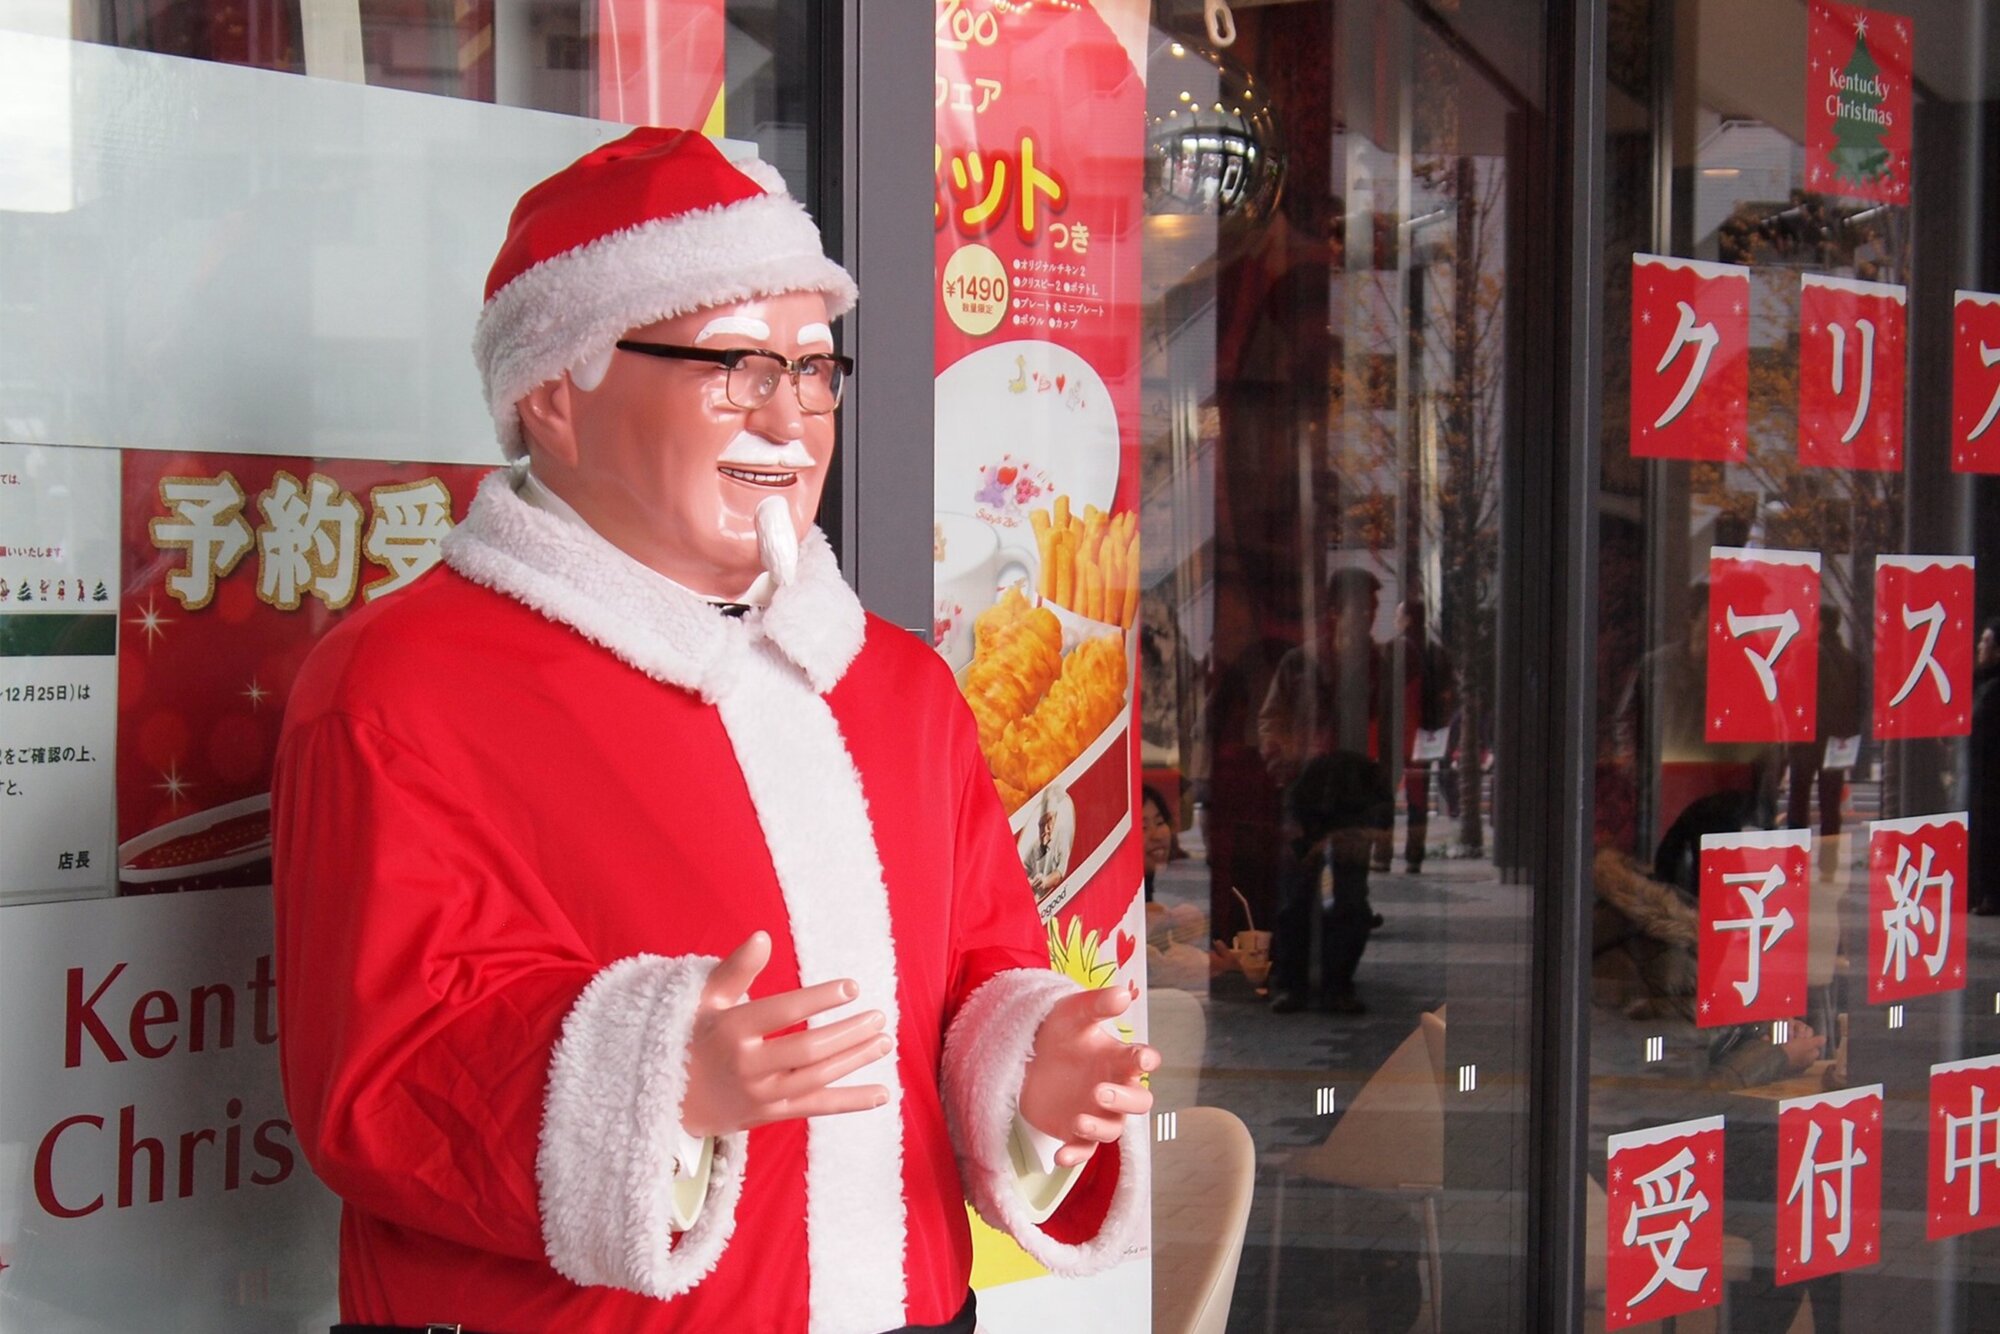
x=1090, y=562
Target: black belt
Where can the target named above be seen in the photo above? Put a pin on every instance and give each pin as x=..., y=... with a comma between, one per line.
x=965, y=1322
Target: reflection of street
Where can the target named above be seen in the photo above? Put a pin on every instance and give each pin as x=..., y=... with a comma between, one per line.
x=1325, y=1257
x=1349, y=1259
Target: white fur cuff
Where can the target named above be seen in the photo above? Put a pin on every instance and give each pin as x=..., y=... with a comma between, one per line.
x=610, y=1129
x=986, y=1055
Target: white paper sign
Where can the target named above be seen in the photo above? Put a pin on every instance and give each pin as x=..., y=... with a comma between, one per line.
x=1842, y=752
x=58, y=671
x=1432, y=743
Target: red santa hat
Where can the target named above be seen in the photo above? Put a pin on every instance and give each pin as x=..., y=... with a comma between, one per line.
x=653, y=225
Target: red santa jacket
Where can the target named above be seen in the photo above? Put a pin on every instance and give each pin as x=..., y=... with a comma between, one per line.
x=521, y=810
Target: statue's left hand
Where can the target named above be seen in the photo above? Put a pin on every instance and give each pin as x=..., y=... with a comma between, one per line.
x=1082, y=1082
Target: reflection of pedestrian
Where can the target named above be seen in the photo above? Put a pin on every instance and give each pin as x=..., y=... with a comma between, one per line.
x=1661, y=731
x=1156, y=826
x=1326, y=694
x=1984, y=774
x=1339, y=807
x=1234, y=797
x=1839, y=716
x=1430, y=694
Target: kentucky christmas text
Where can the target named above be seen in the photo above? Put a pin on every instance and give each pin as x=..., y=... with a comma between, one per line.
x=121, y=1160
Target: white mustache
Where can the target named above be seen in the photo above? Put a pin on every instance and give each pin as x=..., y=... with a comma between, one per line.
x=751, y=451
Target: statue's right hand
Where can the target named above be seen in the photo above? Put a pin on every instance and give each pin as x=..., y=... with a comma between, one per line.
x=740, y=1076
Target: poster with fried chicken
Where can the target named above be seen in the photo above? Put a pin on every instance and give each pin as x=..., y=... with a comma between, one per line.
x=1036, y=208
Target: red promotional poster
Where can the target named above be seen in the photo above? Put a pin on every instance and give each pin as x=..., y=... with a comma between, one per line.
x=1763, y=645
x=1690, y=359
x=1858, y=102
x=660, y=62
x=1975, y=382
x=1829, y=1183
x=1036, y=209
x=1852, y=341
x=244, y=560
x=1663, y=1216
x=1964, y=1175
x=1756, y=896
x=1923, y=646
x=1916, y=906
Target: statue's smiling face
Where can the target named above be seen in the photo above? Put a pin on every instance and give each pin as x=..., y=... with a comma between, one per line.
x=668, y=469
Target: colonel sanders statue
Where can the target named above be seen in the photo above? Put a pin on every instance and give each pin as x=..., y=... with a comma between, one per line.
x=654, y=953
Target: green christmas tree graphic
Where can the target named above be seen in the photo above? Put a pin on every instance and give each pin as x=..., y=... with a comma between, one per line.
x=1859, y=155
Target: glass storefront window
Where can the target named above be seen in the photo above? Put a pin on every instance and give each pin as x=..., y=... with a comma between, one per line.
x=1791, y=1003
x=242, y=247
x=738, y=68
x=1337, y=354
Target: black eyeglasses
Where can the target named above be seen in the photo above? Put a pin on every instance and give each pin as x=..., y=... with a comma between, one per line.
x=754, y=373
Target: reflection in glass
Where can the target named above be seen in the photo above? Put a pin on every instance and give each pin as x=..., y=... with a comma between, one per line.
x=1330, y=399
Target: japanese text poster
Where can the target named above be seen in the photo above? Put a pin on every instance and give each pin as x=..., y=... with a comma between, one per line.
x=1858, y=102
x=1756, y=892
x=1690, y=359
x=1916, y=906
x=1663, y=1213
x=1964, y=1176
x=58, y=670
x=234, y=566
x=1829, y=1183
x=1763, y=645
x=1923, y=646
x=1852, y=343
x=1036, y=208
x=1975, y=382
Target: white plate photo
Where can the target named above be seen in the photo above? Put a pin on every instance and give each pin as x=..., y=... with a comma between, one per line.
x=1018, y=424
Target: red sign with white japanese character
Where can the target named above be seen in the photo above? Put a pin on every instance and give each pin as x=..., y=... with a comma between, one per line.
x=1690, y=359
x=1975, y=382
x=1763, y=645
x=1858, y=102
x=234, y=566
x=1916, y=906
x=1829, y=1183
x=1852, y=338
x=1964, y=1194
x=1923, y=646
x=1663, y=1216
x=1756, y=897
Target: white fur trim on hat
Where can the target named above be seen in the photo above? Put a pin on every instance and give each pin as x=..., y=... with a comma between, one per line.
x=606, y=1162
x=986, y=1055
x=561, y=311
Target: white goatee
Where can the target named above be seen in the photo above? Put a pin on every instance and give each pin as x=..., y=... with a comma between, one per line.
x=777, y=540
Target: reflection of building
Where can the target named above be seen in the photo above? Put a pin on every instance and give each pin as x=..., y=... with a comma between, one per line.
x=1739, y=163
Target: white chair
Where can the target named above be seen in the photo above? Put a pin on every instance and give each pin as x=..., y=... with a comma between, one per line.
x=1202, y=1182
x=1176, y=1027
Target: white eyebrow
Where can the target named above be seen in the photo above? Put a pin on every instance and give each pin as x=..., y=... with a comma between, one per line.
x=746, y=325
x=815, y=333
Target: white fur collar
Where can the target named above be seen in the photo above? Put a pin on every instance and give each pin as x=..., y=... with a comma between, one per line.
x=573, y=576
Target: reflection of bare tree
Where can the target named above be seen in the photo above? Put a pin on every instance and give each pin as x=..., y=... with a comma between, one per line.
x=1849, y=515
x=1468, y=493
x=1442, y=452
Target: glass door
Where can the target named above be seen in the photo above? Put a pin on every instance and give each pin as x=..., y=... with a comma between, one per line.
x=1794, y=967
x=1340, y=366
